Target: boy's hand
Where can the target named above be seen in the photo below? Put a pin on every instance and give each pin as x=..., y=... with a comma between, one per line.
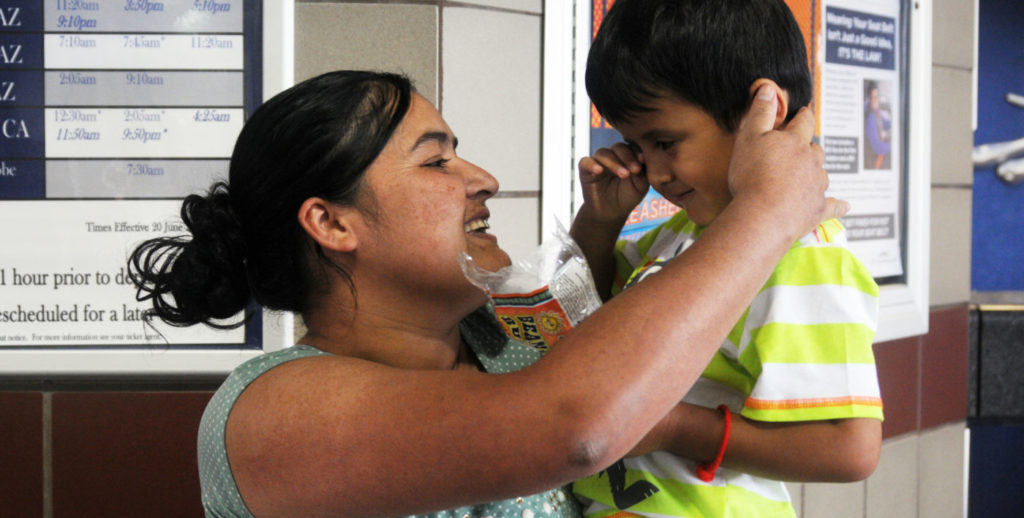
x=613, y=183
x=782, y=169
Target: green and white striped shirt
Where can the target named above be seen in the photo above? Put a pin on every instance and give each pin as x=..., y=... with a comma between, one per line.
x=801, y=352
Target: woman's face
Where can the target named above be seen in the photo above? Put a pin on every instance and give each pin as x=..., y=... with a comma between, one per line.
x=429, y=203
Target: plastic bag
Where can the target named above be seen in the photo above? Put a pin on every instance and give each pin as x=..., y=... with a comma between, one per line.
x=540, y=298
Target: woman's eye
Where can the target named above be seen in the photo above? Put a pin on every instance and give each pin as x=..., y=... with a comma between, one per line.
x=441, y=164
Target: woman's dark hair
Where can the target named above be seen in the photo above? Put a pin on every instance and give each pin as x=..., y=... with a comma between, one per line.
x=315, y=139
x=705, y=52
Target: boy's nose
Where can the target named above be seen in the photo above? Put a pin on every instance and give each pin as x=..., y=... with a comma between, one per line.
x=657, y=173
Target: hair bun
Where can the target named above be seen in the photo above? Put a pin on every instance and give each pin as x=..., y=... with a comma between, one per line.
x=208, y=276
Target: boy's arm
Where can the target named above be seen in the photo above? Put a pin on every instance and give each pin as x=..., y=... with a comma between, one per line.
x=838, y=450
x=597, y=241
x=613, y=183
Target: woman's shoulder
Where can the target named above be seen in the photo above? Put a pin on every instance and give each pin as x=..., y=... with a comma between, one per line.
x=223, y=401
x=220, y=493
x=252, y=369
x=244, y=375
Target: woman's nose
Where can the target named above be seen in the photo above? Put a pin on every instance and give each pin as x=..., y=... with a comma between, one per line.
x=479, y=183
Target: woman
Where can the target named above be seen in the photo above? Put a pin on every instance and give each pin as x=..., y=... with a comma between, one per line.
x=348, y=204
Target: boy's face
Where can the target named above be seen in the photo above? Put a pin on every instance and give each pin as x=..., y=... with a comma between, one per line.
x=686, y=154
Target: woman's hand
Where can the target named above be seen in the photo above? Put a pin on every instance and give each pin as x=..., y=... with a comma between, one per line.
x=613, y=182
x=782, y=170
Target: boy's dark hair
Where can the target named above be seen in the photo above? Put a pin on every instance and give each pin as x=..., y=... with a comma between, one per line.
x=705, y=52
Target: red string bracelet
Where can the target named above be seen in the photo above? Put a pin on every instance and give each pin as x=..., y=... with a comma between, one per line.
x=706, y=471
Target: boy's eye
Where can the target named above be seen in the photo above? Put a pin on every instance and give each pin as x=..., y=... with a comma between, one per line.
x=664, y=144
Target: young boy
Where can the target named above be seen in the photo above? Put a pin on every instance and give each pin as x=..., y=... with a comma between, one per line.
x=792, y=394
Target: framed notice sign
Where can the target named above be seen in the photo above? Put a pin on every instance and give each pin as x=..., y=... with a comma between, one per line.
x=873, y=91
x=870, y=61
x=110, y=113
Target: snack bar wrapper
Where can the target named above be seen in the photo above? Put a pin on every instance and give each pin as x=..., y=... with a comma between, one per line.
x=540, y=298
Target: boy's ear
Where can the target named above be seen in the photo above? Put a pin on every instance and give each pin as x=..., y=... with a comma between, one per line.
x=783, y=96
x=330, y=225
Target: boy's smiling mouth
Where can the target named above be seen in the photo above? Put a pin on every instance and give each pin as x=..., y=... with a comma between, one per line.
x=680, y=199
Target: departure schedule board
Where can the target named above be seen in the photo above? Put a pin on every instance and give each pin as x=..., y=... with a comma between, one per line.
x=120, y=99
x=111, y=111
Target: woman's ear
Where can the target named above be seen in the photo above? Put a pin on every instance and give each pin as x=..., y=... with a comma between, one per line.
x=783, y=96
x=330, y=225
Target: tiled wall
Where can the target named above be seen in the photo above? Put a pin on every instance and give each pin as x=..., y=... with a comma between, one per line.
x=72, y=454
x=21, y=456
x=952, y=142
x=127, y=450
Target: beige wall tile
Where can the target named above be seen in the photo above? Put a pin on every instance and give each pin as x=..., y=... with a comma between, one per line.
x=942, y=472
x=533, y=6
x=491, y=88
x=515, y=222
x=892, y=489
x=952, y=135
x=393, y=38
x=953, y=33
x=796, y=495
x=950, y=266
x=833, y=500
x=300, y=329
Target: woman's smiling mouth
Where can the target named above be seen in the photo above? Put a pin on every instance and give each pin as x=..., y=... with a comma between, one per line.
x=479, y=226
